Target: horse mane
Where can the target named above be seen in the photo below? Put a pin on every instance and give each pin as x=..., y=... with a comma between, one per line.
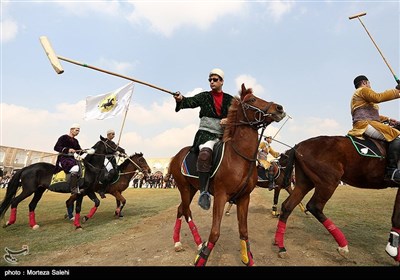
x=232, y=114
x=125, y=163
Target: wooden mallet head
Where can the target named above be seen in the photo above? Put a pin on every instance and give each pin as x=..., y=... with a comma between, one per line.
x=55, y=62
x=358, y=15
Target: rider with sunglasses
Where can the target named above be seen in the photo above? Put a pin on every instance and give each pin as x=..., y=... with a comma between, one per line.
x=214, y=107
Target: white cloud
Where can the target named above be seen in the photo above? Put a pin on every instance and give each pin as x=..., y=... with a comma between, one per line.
x=167, y=17
x=249, y=82
x=279, y=8
x=9, y=30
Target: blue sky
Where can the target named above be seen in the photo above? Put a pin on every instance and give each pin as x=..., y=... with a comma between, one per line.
x=303, y=55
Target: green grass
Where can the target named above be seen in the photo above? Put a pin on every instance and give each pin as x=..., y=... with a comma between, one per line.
x=141, y=203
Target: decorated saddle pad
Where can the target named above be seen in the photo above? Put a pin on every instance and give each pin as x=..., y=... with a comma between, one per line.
x=60, y=180
x=189, y=163
x=366, y=147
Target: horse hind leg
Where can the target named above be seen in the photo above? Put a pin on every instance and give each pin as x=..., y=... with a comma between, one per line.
x=14, y=205
x=315, y=207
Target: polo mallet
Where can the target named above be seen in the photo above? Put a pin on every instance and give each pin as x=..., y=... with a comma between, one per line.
x=55, y=62
x=384, y=59
x=288, y=117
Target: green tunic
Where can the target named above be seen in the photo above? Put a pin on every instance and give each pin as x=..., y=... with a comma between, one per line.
x=205, y=101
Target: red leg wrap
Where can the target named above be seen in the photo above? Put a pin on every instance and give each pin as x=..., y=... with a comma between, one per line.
x=177, y=230
x=77, y=220
x=32, y=221
x=335, y=232
x=13, y=216
x=280, y=232
x=204, y=253
x=195, y=233
x=92, y=211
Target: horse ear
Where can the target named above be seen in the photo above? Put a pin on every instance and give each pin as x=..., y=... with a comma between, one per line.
x=243, y=92
x=102, y=138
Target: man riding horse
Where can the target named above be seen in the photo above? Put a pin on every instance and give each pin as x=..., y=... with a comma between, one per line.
x=214, y=107
x=367, y=121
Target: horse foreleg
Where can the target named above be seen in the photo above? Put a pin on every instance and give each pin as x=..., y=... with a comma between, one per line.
x=195, y=233
x=275, y=212
x=120, y=204
x=93, y=210
x=32, y=206
x=242, y=211
x=206, y=248
x=228, y=209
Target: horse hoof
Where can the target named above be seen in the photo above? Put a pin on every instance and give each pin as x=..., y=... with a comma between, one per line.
x=35, y=227
x=178, y=247
x=85, y=218
x=283, y=255
x=227, y=214
x=275, y=214
x=78, y=228
x=343, y=251
x=72, y=218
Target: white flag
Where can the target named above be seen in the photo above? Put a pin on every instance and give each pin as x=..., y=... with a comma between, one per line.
x=108, y=105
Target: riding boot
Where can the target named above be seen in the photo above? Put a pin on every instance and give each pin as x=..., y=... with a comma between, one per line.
x=73, y=183
x=271, y=178
x=204, y=163
x=393, y=156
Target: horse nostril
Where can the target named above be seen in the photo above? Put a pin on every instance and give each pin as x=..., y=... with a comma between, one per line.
x=279, y=108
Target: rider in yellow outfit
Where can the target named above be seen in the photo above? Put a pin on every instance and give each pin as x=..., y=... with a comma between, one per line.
x=263, y=150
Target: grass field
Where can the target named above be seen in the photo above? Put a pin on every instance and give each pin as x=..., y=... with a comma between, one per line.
x=364, y=216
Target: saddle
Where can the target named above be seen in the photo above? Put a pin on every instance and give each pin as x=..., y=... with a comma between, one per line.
x=369, y=147
x=60, y=180
x=262, y=172
x=189, y=163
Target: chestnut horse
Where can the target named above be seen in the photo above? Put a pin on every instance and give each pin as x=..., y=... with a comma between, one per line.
x=279, y=174
x=321, y=163
x=37, y=177
x=236, y=176
x=126, y=170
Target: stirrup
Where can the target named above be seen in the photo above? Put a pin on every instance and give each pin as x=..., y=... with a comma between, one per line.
x=394, y=177
x=205, y=200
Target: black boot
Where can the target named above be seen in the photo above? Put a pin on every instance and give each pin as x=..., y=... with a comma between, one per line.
x=73, y=184
x=271, y=178
x=393, y=155
x=204, y=162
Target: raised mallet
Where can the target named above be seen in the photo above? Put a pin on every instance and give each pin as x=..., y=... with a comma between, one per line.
x=55, y=62
x=384, y=59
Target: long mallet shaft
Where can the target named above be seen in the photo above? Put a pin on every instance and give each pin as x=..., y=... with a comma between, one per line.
x=55, y=62
x=384, y=59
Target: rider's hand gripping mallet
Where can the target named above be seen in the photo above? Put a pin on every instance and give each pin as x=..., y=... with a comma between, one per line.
x=384, y=59
x=54, y=60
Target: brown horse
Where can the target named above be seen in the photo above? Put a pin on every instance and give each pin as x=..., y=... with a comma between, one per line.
x=321, y=163
x=126, y=170
x=279, y=175
x=236, y=176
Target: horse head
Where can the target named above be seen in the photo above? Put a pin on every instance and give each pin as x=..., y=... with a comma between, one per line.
x=141, y=164
x=258, y=112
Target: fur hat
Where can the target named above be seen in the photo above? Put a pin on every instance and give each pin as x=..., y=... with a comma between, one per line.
x=217, y=71
x=358, y=80
x=75, y=125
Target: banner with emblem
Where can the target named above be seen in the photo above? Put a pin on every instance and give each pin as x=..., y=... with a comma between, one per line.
x=108, y=105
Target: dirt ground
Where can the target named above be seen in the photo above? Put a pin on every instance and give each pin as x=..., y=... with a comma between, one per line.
x=151, y=244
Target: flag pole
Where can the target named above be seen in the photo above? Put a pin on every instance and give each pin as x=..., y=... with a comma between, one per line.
x=123, y=121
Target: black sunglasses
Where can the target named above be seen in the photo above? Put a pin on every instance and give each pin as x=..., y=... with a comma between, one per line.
x=213, y=79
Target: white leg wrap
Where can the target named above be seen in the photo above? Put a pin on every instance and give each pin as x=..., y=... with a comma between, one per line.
x=392, y=248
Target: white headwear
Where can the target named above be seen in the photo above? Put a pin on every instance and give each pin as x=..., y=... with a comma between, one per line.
x=217, y=71
x=110, y=131
x=75, y=125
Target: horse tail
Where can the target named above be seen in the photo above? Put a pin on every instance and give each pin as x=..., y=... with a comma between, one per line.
x=289, y=167
x=12, y=188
